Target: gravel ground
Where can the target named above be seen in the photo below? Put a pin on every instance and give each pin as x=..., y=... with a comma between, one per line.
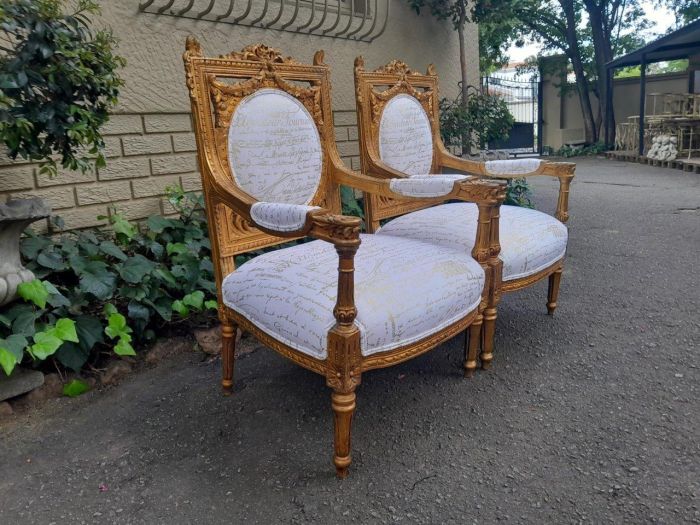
x=591, y=416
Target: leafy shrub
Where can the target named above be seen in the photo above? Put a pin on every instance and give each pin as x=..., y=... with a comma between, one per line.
x=581, y=151
x=484, y=119
x=98, y=290
x=57, y=82
x=518, y=193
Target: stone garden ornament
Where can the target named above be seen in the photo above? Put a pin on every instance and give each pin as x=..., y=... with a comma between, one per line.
x=15, y=216
x=347, y=302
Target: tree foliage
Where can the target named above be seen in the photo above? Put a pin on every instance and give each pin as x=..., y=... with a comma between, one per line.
x=588, y=32
x=58, y=80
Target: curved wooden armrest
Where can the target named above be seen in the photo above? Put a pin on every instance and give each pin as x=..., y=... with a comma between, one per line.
x=564, y=171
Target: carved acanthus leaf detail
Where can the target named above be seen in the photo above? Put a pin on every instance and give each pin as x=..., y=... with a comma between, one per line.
x=260, y=53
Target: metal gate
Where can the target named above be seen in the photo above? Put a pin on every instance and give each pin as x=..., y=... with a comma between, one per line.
x=523, y=100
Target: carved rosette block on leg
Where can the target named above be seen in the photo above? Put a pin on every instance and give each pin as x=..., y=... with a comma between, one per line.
x=228, y=348
x=553, y=291
x=343, y=410
x=473, y=346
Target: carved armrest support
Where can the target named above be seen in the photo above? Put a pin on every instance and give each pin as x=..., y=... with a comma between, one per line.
x=280, y=217
x=516, y=169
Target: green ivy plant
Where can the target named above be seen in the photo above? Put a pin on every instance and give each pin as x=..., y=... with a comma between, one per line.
x=100, y=291
x=58, y=80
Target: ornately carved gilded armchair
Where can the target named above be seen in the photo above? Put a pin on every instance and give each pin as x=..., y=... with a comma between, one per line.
x=399, y=129
x=345, y=303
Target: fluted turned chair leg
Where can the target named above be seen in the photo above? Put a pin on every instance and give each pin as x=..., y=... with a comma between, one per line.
x=228, y=348
x=553, y=292
x=489, y=333
x=473, y=342
x=343, y=410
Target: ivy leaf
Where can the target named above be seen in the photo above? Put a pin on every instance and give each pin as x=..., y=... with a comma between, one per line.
x=158, y=223
x=117, y=327
x=111, y=249
x=89, y=331
x=180, y=308
x=25, y=321
x=72, y=355
x=7, y=361
x=138, y=311
x=194, y=299
x=176, y=247
x=65, y=330
x=211, y=304
x=136, y=268
x=45, y=344
x=75, y=388
x=123, y=347
x=5, y=320
x=96, y=280
x=52, y=259
x=56, y=298
x=34, y=291
x=11, y=352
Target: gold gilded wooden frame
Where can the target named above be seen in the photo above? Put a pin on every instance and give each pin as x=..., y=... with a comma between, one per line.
x=216, y=87
x=373, y=90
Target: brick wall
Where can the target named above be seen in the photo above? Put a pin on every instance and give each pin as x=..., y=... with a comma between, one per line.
x=145, y=153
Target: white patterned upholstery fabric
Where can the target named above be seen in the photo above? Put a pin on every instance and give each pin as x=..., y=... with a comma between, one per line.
x=274, y=148
x=530, y=240
x=512, y=167
x=405, y=290
x=430, y=186
x=280, y=217
x=405, y=137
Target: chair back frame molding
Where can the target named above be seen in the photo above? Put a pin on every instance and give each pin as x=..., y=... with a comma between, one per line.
x=214, y=101
x=396, y=78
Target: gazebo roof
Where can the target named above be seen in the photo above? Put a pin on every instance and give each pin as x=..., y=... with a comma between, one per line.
x=680, y=44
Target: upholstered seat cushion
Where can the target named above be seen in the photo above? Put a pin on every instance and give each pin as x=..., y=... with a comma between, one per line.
x=405, y=290
x=530, y=240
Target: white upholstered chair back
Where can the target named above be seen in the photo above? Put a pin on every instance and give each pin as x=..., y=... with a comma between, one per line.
x=274, y=148
x=405, y=136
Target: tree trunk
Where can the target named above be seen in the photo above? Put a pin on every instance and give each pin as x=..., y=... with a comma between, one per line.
x=466, y=139
x=574, y=54
x=602, y=48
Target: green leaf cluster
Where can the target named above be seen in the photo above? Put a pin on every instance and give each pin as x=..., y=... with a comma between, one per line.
x=100, y=290
x=58, y=80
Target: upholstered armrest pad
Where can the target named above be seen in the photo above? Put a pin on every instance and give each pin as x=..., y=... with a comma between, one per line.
x=425, y=185
x=512, y=167
x=280, y=217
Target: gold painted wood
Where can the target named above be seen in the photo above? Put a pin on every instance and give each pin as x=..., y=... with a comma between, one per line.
x=217, y=86
x=373, y=90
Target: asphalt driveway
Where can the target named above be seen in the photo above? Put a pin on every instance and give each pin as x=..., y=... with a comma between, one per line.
x=590, y=416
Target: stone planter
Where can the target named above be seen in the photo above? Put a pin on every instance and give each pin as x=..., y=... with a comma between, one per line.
x=15, y=216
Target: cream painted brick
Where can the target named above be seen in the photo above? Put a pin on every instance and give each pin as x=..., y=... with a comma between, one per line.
x=341, y=134
x=65, y=177
x=125, y=169
x=83, y=216
x=168, y=123
x=349, y=149
x=179, y=163
x=140, y=208
x=5, y=159
x=345, y=118
x=58, y=198
x=110, y=191
x=191, y=181
x=146, y=144
x=153, y=185
x=40, y=227
x=113, y=147
x=184, y=142
x=352, y=133
x=122, y=124
x=17, y=178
